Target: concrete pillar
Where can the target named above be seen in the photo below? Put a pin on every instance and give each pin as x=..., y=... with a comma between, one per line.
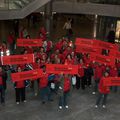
x=95, y=26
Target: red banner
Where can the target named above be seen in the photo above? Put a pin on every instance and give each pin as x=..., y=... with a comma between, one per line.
x=102, y=59
x=111, y=81
x=106, y=45
x=29, y=42
x=115, y=54
x=84, y=41
x=61, y=68
x=17, y=59
x=27, y=75
x=88, y=49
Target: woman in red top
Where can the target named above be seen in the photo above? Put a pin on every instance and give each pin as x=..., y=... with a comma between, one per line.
x=80, y=76
x=20, y=89
x=69, y=60
x=103, y=92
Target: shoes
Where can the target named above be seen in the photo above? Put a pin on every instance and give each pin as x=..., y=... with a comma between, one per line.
x=17, y=103
x=93, y=93
x=66, y=106
x=104, y=106
x=36, y=94
x=43, y=102
x=24, y=101
x=96, y=106
x=60, y=107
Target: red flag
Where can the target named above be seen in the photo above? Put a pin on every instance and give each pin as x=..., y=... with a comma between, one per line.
x=17, y=59
x=111, y=81
x=27, y=75
x=29, y=42
x=61, y=68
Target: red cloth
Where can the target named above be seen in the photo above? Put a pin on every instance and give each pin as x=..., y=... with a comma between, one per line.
x=113, y=72
x=43, y=81
x=103, y=89
x=35, y=65
x=80, y=70
x=98, y=72
x=66, y=84
x=20, y=84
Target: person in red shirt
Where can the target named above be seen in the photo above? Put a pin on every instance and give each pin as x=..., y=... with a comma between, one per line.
x=98, y=73
x=44, y=88
x=20, y=89
x=69, y=60
x=80, y=76
x=64, y=87
x=11, y=40
x=114, y=73
x=103, y=92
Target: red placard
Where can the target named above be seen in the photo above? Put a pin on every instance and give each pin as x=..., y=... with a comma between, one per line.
x=29, y=42
x=87, y=49
x=111, y=81
x=108, y=60
x=61, y=68
x=17, y=59
x=27, y=75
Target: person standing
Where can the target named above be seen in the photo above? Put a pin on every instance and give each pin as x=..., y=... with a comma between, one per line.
x=103, y=92
x=64, y=88
x=68, y=27
x=20, y=90
x=3, y=78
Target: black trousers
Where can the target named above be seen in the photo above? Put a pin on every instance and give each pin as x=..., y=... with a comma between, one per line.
x=80, y=81
x=2, y=92
x=87, y=80
x=20, y=94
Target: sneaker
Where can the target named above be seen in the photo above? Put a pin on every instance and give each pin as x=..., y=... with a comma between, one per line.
x=93, y=93
x=17, y=103
x=104, y=106
x=66, y=106
x=96, y=106
x=36, y=94
x=24, y=101
x=60, y=107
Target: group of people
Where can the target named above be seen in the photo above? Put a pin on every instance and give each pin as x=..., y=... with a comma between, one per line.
x=62, y=52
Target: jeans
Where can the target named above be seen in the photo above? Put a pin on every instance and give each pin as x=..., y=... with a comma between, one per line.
x=63, y=100
x=20, y=94
x=45, y=94
x=100, y=96
x=2, y=94
x=96, y=85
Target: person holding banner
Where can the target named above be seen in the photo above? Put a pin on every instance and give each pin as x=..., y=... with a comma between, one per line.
x=44, y=88
x=64, y=90
x=98, y=73
x=20, y=89
x=103, y=92
x=80, y=76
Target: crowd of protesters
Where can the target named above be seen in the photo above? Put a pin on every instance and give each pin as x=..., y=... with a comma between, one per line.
x=90, y=74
